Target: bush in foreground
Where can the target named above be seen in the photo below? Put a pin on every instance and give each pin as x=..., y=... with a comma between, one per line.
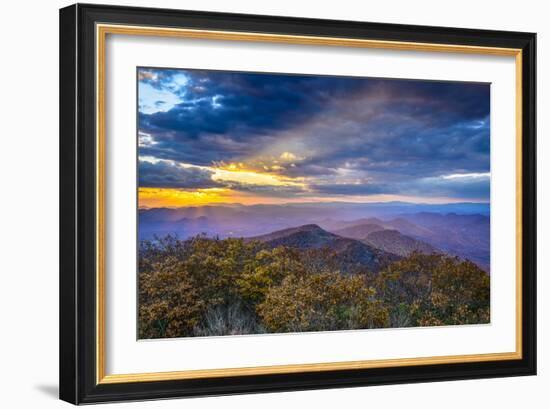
x=208, y=287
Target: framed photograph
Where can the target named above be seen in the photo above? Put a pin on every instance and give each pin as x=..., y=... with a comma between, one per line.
x=257, y=203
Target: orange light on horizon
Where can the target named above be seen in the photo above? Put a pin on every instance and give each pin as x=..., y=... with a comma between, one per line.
x=168, y=197
x=164, y=197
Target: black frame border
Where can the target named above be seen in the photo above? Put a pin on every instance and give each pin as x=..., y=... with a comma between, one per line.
x=78, y=204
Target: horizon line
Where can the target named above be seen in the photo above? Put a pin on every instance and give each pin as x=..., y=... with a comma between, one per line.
x=317, y=204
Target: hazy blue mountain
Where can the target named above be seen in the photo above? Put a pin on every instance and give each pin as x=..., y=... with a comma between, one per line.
x=348, y=253
x=463, y=235
x=242, y=221
x=461, y=229
x=359, y=231
x=467, y=236
x=393, y=241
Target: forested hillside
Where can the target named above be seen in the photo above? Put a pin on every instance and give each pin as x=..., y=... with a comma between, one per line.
x=204, y=286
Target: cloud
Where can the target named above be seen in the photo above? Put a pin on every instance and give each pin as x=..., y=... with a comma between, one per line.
x=472, y=188
x=353, y=189
x=166, y=174
x=268, y=190
x=468, y=188
x=467, y=176
x=390, y=135
x=146, y=140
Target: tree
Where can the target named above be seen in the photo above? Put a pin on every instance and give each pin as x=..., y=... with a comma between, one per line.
x=170, y=304
x=321, y=302
x=434, y=290
x=267, y=270
x=204, y=286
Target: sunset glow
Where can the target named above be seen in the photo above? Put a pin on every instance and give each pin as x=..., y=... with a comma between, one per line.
x=234, y=173
x=214, y=137
x=158, y=197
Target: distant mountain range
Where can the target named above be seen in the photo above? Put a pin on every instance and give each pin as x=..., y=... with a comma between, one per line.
x=386, y=236
x=361, y=230
x=362, y=227
x=242, y=221
x=392, y=241
x=466, y=236
x=348, y=253
x=365, y=230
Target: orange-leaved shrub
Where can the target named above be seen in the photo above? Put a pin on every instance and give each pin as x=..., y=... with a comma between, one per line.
x=204, y=287
x=322, y=302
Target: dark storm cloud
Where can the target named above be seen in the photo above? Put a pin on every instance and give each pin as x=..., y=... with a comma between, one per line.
x=460, y=188
x=169, y=175
x=352, y=189
x=233, y=110
x=402, y=133
x=413, y=148
x=266, y=190
x=475, y=188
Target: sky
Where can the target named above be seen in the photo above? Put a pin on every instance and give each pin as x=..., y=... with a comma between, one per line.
x=219, y=137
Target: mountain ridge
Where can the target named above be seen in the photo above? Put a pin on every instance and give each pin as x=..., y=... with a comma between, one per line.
x=350, y=253
x=393, y=241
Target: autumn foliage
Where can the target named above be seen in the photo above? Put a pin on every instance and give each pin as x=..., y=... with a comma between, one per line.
x=205, y=287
